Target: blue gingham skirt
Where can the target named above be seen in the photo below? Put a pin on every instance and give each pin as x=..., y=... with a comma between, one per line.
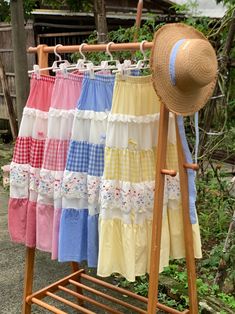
x=78, y=235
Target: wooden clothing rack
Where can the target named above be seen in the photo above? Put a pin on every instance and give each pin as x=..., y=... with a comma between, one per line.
x=151, y=303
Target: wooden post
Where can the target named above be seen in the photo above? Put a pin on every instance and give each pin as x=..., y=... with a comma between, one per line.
x=8, y=100
x=138, y=18
x=100, y=20
x=188, y=233
x=20, y=57
x=28, y=278
x=157, y=210
x=42, y=58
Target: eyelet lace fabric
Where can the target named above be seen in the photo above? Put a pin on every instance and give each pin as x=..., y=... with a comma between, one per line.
x=138, y=196
x=19, y=174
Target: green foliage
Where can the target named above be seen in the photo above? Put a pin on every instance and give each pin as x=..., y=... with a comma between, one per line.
x=189, y=7
x=227, y=299
x=141, y=286
x=228, y=3
x=123, y=35
x=213, y=204
x=30, y=5
x=175, y=297
x=4, y=11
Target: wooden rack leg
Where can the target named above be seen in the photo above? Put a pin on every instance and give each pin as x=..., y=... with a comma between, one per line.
x=28, y=278
x=157, y=211
x=79, y=290
x=157, y=218
x=188, y=233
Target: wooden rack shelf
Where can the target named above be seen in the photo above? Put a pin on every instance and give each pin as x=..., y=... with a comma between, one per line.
x=75, y=281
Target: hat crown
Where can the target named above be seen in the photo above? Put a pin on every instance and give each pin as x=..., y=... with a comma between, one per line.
x=184, y=68
x=195, y=64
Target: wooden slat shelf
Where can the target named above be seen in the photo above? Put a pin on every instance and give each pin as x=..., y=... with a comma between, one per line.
x=74, y=280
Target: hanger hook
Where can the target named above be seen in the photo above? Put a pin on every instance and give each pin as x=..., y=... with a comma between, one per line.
x=56, y=53
x=80, y=51
x=142, y=49
x=108, y=51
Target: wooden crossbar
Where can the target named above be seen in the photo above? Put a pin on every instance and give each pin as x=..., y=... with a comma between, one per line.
x=71, y=304
x=108, y=297
x=92, y=301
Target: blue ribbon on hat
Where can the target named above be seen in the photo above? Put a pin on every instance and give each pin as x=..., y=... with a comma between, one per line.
x=188, y=156
x=173, y=58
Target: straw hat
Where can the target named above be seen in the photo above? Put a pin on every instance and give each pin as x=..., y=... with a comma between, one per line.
x=184, y=68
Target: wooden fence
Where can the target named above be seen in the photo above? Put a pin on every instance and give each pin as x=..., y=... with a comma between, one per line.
x=11, y=84
x=6, y=54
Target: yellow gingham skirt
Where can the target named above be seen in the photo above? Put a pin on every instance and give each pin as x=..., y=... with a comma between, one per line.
x=127, y=189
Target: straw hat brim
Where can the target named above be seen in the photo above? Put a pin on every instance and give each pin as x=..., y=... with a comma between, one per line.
x=178, y=101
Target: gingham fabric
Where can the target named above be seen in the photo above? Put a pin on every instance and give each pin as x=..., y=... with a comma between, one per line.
x=85, y=164
x=65, y=95
x=86, y=157
x=28, y=154
x=29, y=151
x=36, y=152
x=127, y=165
x=21, y=153
x=55, y=154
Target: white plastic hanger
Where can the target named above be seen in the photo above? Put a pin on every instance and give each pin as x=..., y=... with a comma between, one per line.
x=82, y=65
x=55, y=66
x=144, y=63
x=125, y=68
x=141, y=64
x=110, y=64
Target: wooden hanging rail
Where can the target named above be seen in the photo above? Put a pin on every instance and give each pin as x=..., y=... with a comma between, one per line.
x=92, y=48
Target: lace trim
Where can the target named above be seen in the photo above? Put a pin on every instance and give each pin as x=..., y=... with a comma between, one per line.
x=46, y=183
x=91, y=115
x=80, y=185
x=58, y=184
x=19, y=174
x=61, y=113
x=35, y=113
x=118, y=117
x=138, y=196
x=34, y=175
x=74, y=184
x=93, y=188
